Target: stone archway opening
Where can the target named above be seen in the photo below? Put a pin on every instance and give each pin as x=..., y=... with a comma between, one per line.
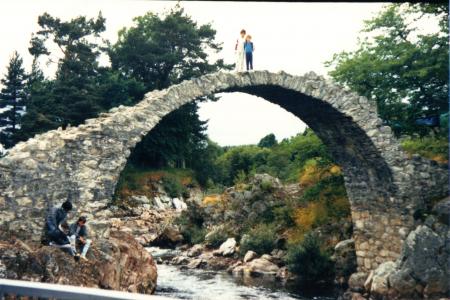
x=368, y=179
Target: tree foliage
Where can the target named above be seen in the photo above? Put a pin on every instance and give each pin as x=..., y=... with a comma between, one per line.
x=160, y=51
x=310, y=262
x=12, y=100
x=402, y=69
x=268, y=141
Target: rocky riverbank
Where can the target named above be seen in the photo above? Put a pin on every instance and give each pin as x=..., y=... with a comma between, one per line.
x=225, y=218
x=118, y=263
x=421, y=272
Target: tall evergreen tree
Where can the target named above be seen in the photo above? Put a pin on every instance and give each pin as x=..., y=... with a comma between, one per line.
x=12, y=100
x=41, y=114
x=75, y=94
x=81, y=88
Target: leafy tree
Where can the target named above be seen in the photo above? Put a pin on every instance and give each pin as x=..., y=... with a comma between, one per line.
x=81, y=88
x=205, y=164
x=163, y=50
x=74, y=94
x=116, y=89
x=12, y=100
x=268, y=141
x=403, y=70
x=159, y=51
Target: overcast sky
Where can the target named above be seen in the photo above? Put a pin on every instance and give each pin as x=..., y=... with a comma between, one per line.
x=294, y=37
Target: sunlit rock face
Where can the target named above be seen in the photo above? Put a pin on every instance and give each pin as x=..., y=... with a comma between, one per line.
x=384, y=186
x=118, y=263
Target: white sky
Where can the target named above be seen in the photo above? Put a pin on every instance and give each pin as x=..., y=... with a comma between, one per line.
x=294, y=37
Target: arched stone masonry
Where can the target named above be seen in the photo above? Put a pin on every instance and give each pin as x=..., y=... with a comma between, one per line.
x=384, y=186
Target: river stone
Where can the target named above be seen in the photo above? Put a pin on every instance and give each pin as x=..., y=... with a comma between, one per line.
x=180, y=260
x=196, y=250
x=178, y=204
x=196, y=263
x=249, y=256
x=380, y=282
x=228, y=247
x=261, y=266
x=139, y=200
x=356, y=282
x=170, y=237
x=268, y=257
x=442, y=210
x=158, y=203
x=345, y=259
x=402, y=282
x=165, y=199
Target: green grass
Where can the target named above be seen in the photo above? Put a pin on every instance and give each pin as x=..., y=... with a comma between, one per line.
x=435, y=148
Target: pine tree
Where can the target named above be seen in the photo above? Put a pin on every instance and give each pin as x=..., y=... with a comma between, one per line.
x=12, y=100
x=74, y=94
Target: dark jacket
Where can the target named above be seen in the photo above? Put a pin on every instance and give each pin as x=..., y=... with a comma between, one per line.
x=82, y=232
x=55, y=217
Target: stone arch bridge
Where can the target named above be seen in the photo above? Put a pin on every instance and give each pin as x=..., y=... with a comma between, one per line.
x=384, y=186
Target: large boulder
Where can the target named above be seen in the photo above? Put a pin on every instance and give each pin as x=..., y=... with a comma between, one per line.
x=380, y=284
x=420, y=272
x=356, y=282
x=442, y=210
x=178, y=204
x=250, y=255
x=424, y=254
x=424, y=258
x=170, y=237
x=227, y=248
x=158, y=204
x=118, y=263
x=261, y=266
x=344, y=258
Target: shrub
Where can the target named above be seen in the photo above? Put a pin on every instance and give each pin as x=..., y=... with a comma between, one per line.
x=193, y=215
x=313, y=214
x=193, y=234
x=260, y=239
x=212, y=200
x=309, y=262
x=266, y=186
x=283, y=215
x=172, y=186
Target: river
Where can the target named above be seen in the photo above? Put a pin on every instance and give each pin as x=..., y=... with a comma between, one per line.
x=212, y=285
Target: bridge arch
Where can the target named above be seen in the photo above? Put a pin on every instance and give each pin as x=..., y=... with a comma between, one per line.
x=384, y=186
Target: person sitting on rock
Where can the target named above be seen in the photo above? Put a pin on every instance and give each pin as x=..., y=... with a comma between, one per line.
x=55, y=233
x=78, y=235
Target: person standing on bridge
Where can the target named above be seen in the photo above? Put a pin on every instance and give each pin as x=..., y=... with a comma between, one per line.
x=249, y=48
x=239, y=51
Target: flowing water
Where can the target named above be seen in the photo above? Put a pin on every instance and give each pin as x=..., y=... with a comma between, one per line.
x=212, y=285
